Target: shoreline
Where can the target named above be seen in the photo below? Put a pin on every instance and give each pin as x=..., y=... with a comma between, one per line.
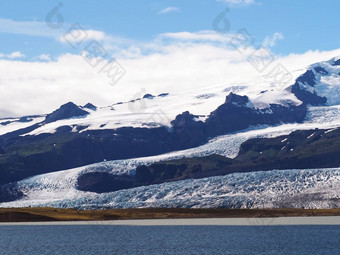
x=251, y=222
x=256, y=216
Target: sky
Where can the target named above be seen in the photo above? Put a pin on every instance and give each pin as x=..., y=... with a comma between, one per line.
x=53, y=52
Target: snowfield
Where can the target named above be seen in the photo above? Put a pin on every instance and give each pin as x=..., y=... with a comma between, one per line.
x=162, y=109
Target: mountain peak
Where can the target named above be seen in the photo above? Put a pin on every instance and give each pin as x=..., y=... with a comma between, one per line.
x=319, y=85
x=90, y=106
x=336, y=61
x=66, y=111
x=236, y=99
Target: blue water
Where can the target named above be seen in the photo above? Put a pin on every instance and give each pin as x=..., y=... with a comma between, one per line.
x=101, y=239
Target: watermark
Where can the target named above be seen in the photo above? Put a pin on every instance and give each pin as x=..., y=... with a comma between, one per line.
x=54, y=19
x=75, y=35
x=136, y=104
x=92, y=51
x=221, y=18
x=158, y=116
x=113, y=70
x=242, y=40
x=280, y=76
x=261, y=59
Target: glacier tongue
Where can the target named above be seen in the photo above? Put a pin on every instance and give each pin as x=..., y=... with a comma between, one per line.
x=315, y=188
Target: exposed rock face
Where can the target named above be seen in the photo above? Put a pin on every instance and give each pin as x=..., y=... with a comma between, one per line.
x=104, y=182
x=337, y=62
x=149, y=96
x=163, y=95
x=300, y=150
x=24, y=119
x=100, y=182
x=9, y=193
x=301, y=91
x=308, y=97
x=181, y=169
x=235, y=114
x=320, y=70
x=236, y=100
x=90, y=106
x=308, y=77
x=66, y=111
x=188, y=132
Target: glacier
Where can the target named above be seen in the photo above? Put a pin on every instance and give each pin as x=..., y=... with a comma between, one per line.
x=313, y=188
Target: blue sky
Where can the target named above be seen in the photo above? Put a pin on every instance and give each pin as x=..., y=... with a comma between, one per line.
x=305, y=25
x=163, y=46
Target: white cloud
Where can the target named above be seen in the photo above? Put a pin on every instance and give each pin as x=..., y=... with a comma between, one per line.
x=197, y=36
x=188, y=61
x=33, y=28
x=13, y=55
x=45, y=57
x=80, y=35
x=169, y=9
x=238, y=2
x=270, y=41
x=72, y=33
x=16, y=54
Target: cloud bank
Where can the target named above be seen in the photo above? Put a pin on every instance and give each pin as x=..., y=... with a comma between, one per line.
x=172, y=63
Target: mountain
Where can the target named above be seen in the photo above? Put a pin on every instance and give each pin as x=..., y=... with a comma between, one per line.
x=66, y=111
x=316, y=85
x=252, y=129
x=27, y=154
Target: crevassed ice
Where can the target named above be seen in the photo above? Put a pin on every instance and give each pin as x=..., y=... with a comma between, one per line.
x=315, y=188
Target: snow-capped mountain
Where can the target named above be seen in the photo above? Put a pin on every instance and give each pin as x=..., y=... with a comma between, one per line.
x=317, y=85
x=216, y=120
x=58, y=148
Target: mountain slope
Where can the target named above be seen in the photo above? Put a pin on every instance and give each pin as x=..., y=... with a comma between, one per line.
x=298, y=150
x=319, y=84
x=69, y=147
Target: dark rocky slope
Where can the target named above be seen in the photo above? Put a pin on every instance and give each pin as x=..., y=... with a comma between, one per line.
x=298, y=150
x=308, y=79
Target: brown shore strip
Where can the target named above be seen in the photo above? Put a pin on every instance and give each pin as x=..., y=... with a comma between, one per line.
x=56, y=214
